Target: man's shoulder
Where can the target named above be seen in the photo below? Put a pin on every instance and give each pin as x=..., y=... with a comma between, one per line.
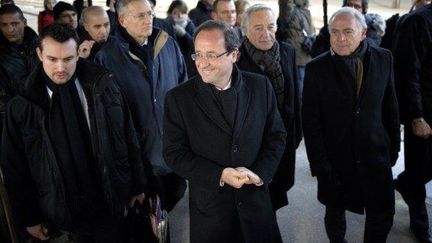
x=319, y=60
x=385, y=53
x=185, y=89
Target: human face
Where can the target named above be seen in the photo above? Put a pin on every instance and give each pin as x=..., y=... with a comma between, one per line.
x=346, y=34
x=177, y=13
x=98, y=27
x=217, y=71
x=137, y=19
x=357, y=4
x=240, y=11
x=12, y=27
x=69, y=17
x=261, y=30
x=225, y=12
x=50, y=4
x=58, y=59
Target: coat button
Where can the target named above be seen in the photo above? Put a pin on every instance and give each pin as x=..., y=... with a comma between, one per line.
x=235, y=148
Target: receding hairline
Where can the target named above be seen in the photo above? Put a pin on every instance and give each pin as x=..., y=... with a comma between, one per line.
x=93, y=11
x=123, y=5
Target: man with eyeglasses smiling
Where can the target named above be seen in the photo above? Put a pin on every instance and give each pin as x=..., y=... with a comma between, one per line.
x=224, y=134
x=147, y=63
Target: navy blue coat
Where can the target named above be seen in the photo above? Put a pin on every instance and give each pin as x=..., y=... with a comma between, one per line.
x=146, y=98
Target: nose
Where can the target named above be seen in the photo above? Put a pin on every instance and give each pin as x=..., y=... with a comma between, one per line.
x=60, y=66
x=341, y=37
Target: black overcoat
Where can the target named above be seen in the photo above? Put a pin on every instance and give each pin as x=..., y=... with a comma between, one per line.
x=199, y=144
x=284, y=177
x=352, y=142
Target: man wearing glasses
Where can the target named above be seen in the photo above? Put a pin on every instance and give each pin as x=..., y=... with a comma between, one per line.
x=147, y=63
x=224, y=134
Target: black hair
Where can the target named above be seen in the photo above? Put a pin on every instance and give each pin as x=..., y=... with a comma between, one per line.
x=59, y=32
x=177, y=4
x=11, y=9
x=232, y=41
x=365, y=4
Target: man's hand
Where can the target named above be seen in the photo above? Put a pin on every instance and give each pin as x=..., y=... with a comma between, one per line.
x=140, y=198
x=421, y=128
x=234, y=177
x=253, y=178
x=85, y=48
x=38, y=232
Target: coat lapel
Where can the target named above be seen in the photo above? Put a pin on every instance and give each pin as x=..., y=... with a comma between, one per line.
x=204, y=100
x=243, y=99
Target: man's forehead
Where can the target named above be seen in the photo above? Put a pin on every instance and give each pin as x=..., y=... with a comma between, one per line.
x=67, y=13
x=223, y=5
x=142, y=5
x=10, y=17
x=261, y=17
x=97, y=19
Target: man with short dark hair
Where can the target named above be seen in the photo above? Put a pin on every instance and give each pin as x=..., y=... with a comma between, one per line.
x=17, y=46
x=65, y=13
x=351, y=128
x=224, y=134
x=225, y=11
x=70, y=155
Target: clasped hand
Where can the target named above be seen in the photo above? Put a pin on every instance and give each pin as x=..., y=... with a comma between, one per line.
x=237, y=177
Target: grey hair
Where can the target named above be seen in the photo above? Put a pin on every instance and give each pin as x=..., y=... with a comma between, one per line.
x=252, y=9
x=360, y=19
x=123, y=4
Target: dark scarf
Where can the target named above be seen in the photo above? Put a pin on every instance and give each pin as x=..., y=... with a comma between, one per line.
x=354, y=63
x=144, y=52
x=70, y=137
x=269, y=62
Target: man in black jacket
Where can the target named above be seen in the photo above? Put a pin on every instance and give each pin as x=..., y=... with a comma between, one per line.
x=413, y=75
x=70, y=155
x=202, y=12
x=223, y=133
x=261, y=53
x=351, y=128
x=17, y=47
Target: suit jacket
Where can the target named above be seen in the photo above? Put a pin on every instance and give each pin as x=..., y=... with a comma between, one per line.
x=199, y=144
x=352, y=142
x=284, y=177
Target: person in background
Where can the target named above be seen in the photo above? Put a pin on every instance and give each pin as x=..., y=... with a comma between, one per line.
x=18, y=44
x=376, y=26
x=46, y=16
x=80, y=5
x=161, y=23
x=262, y=54
x=351, y=128
x=225, y=11
x=65, y=13
x=112, y=15
x=184, y=30
x=241, y=6
x=96, y=30
x=202, y=12
x=6, y=2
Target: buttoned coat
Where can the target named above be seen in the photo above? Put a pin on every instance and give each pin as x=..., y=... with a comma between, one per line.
x=199, y=144
x=352, y=142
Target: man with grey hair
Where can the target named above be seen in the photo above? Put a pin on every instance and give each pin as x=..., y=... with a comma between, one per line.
x=261, y=53
x=351, y=128
x=147, y=63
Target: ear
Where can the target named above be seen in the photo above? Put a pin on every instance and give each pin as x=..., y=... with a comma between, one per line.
x=213, y=15
x=363, y=33
x=122, y=21
x=235, y=55
x=39, y=53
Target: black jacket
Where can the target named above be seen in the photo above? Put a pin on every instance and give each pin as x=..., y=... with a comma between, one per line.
x=352, y=142
x=284, y=177
x=19, y=61
x=32, y=177
x=201, y=13
x=413, y=66
x=199, y=143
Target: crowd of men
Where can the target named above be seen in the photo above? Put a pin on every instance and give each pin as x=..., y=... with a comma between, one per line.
x=98, y=117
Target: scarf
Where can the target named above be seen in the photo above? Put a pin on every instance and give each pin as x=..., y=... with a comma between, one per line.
x=269, y=62
x=70, y=136
x=354, y=63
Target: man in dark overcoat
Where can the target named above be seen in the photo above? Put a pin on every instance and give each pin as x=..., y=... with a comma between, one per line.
x=351, y=128
x=413, y=76
x=261, y=53
x=223, y=133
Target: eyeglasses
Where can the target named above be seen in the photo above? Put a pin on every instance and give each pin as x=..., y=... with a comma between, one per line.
x=143, y=15
x=209, y=56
